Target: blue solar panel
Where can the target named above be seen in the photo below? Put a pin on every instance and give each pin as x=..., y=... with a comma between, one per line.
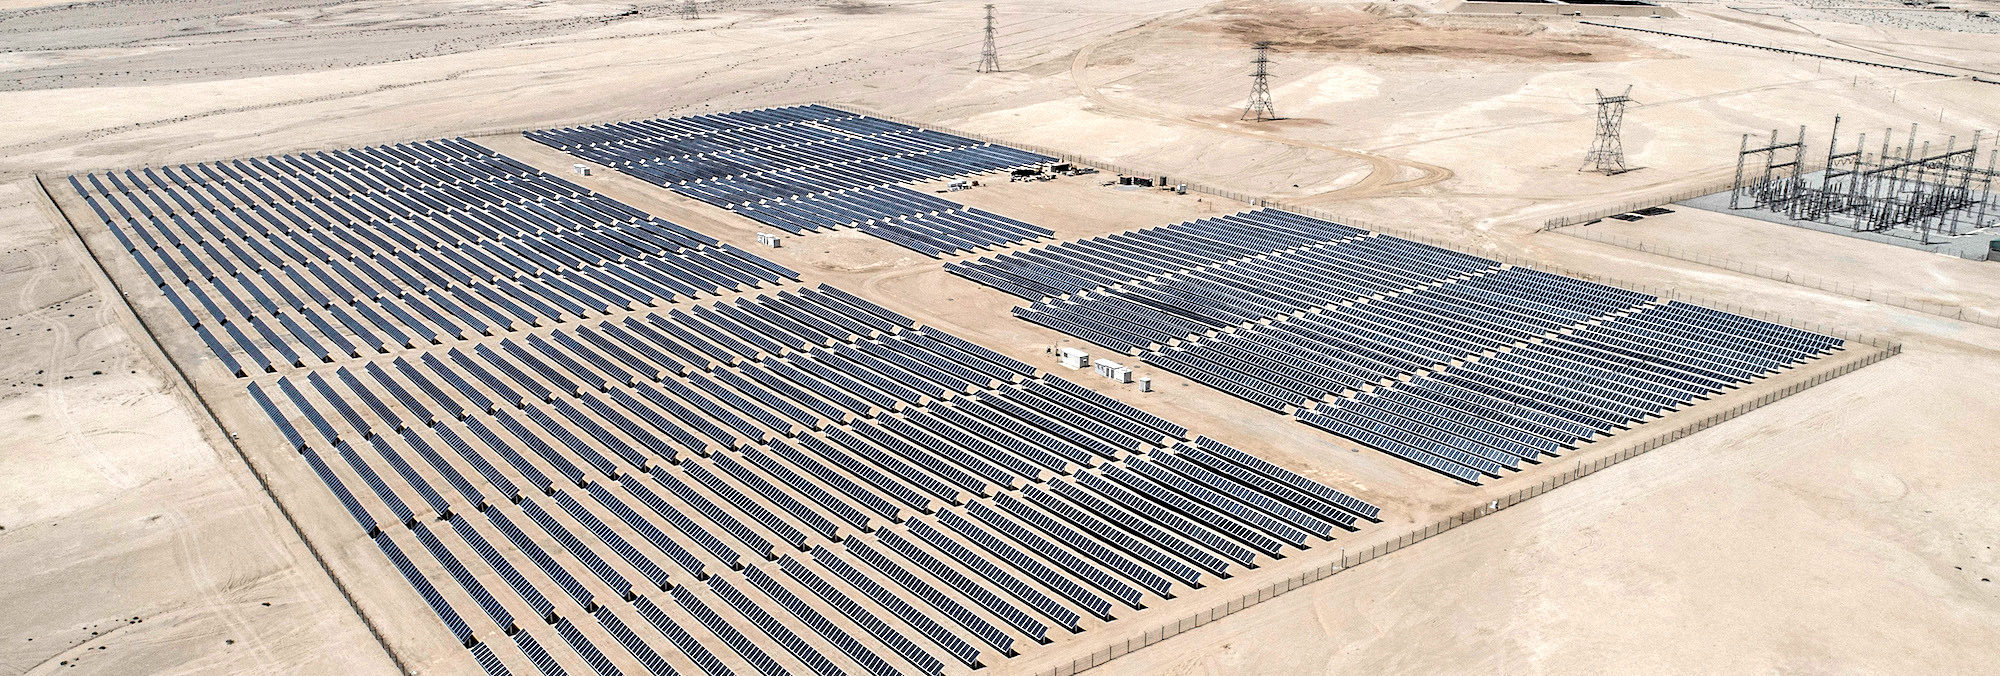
x=979, y=594
x=763, y=620
x=686, y=642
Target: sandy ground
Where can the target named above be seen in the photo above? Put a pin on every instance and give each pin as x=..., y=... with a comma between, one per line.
x=1941, y=283
x=1746, y=549
x=134, y=538
x=1840, y=531
x=1083, y=206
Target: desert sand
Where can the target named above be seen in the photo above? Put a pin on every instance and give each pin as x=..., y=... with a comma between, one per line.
x=1845, y=529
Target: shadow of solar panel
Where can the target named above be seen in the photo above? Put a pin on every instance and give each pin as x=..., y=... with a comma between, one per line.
x=763, y=620
x=951, y=643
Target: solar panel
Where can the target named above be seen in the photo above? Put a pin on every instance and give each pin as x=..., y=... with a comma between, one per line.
x=651, y=533
x=867, y=472
x=1078, y=541
x=715, y=484
x=680, y=521
x=458, y=572
x=1205, y=497
x=285, y=429
x=1007, y=582
x=1197, y=512
x=534, y=442
x=1033, y=567
x=954, y=646
x=585, y=649
x=860, y=616
x=548, y=565
x=763, y=620
x=637, y=647
x=505, y=569
x=591, y=561
x=1288, y=477
x=1144, y=520
x=728, y=634
x=488, y=662
x=536, y=655
x=375, y=483
x=340, y=492
x=715, y=514
x=977, y=593
x=806, y=614
x=820, y=496
x=688, y=645
x=506, y=452
x=455, y=624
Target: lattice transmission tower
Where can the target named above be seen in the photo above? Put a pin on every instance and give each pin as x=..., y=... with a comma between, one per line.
x=1607, y=151
x=989, y=56
x=689, y=10
x=1260, y=107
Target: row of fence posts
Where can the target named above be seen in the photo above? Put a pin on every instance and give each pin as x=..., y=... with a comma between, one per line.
x=1886, y=349
x=1958, y=312
x=1351, y=559
x=1601, y=213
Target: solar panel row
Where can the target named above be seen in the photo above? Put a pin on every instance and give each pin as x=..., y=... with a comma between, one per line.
x=345, y=253
x=810, y=168
x=1041, y=550
x=1454, y=362
x=799, y=416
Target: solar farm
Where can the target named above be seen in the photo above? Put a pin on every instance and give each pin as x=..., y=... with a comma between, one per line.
x=897, y=338
x=809, y=168
x=491, y=347
x=592, y=440
x=1451, y=361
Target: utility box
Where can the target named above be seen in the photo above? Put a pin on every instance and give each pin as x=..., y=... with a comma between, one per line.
x=766, y=239
x=1145, y=384
x=1074, y=358
x=580, y=169
x=1115, y=371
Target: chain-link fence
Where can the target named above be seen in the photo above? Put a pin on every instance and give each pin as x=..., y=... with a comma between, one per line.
x=1635, y=204
x=1887, y=348
x=1981, y=316
x=1350, y=559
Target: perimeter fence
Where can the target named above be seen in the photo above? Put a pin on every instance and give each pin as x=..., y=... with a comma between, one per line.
x=1600, y=213
x=1885, y=348
x=1355, y=558
x=1982, y=316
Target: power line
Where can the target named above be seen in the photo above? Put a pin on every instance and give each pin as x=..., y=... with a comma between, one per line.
x=1607, y=150
x=991, y=55
x=1260, y=107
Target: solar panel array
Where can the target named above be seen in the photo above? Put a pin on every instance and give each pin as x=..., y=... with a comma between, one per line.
x=808, y=168
x=1455, y=362
x=803, y=461
x=294, y=260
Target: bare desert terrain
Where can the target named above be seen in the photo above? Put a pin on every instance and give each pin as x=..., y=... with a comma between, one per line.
x=149, y=527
